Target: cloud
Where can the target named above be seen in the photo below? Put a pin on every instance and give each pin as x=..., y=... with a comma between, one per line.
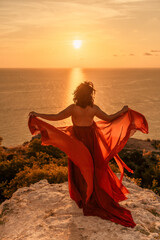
x=155, y=51
x=127, y=1
x=24, y=19
x=152, y=53
x=17, y=15
x=148, y=54
x=123, y=55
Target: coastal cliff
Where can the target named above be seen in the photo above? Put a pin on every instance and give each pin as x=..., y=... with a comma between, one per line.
x=45, y=211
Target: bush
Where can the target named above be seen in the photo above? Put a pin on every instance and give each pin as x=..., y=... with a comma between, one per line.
x=21, y=166
x=24, y=165
x=35, y=146
x=8, y=169
x=52, y=173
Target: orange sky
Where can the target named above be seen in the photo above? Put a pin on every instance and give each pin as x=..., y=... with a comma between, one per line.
x=114, y=33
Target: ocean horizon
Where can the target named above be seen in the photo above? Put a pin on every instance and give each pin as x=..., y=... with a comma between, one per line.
x=49, y=90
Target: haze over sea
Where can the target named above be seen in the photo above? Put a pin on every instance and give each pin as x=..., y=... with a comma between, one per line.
x=50, y=90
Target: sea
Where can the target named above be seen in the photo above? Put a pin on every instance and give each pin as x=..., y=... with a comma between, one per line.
x=51, y=90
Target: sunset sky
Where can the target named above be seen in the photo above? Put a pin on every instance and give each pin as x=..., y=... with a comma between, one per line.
x=114, y=33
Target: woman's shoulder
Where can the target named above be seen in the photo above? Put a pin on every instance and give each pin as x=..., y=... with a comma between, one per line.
x=71, y=106
x=95, y=107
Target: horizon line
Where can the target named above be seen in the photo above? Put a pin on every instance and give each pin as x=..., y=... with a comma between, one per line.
x=80, y=67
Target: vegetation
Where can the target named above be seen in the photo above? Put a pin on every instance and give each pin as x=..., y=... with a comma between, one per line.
x=23, y=165
x=146, y=167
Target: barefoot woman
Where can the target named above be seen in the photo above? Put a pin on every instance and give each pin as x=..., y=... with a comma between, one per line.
x=90, y=145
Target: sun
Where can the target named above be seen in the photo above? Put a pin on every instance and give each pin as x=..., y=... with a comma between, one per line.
x=77, y=43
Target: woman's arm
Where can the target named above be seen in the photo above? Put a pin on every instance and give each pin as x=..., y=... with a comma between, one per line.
x=102, y=115
x=67, y=112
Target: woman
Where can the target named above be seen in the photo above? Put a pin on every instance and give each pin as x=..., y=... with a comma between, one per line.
x=83, y=111
x=90, y=145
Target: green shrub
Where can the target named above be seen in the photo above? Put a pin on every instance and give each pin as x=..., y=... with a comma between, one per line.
x=8, y=169
x=51, y=172
x=21, y=166
x=35, y=146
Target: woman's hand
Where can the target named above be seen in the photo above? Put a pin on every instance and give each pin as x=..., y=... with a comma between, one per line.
x=33, y=114
x=124, y=109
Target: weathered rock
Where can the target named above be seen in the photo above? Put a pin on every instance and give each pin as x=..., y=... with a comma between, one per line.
x=45, y=211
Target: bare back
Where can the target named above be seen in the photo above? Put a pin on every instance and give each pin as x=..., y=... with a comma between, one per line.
x=83, y=116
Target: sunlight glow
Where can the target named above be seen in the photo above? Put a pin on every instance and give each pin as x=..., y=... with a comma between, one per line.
x=77, y=43
x=76, y=77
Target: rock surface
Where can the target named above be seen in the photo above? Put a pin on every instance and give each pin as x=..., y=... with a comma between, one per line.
x=45, y=211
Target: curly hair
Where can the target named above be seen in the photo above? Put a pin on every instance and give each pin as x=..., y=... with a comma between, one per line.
x=84, y=94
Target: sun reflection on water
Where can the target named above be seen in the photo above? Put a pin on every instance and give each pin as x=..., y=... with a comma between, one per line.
x=75, y=78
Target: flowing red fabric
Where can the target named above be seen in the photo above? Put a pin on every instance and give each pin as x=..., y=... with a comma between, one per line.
x=92, y=183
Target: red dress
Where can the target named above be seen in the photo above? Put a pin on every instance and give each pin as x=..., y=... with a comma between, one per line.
x=92, y=184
